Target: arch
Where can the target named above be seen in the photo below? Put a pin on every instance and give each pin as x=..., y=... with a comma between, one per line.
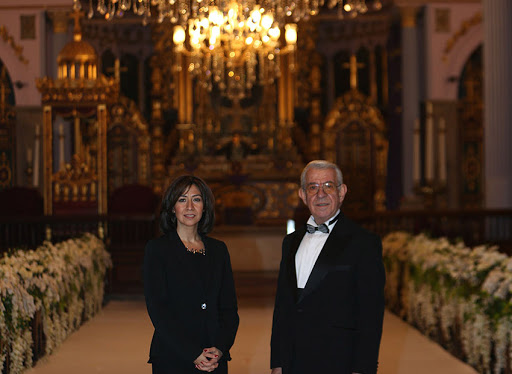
x=9, y=65
x=11, y=99
x=471, y=131
x=457, y=56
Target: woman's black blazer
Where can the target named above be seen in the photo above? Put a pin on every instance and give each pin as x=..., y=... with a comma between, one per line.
x=189, y=311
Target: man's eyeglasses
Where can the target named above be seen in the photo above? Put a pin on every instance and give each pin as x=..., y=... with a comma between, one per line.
x=328, y=187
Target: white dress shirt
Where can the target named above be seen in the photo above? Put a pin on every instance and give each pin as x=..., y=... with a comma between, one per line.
x=309, y=250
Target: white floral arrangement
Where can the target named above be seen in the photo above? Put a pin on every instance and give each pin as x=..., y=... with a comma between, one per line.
x=65, y=281
x=456, y=295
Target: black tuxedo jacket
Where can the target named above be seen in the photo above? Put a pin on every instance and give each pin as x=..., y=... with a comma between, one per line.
x=190, y=311
x=335, y=326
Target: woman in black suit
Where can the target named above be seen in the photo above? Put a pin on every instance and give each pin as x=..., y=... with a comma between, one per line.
x=188, y=285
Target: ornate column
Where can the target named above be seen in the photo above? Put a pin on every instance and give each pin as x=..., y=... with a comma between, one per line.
x=497, y=110
x=158, y=171
x=410, y=94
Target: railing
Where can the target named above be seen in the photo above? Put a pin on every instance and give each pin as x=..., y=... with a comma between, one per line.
x=472, y=226
x=124, y=235
x=28, y=232
x=127, y=231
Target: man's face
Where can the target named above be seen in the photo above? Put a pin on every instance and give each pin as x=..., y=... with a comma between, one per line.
x=321, y=204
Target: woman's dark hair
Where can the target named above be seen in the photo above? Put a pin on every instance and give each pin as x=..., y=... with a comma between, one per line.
x=177, y=188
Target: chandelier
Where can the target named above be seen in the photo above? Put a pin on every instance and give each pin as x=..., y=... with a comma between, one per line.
x=233, y=49
x=180, y=11
x=227, y=44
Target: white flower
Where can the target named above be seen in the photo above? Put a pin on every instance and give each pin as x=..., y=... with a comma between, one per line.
x=41, y=280
x=455, y=289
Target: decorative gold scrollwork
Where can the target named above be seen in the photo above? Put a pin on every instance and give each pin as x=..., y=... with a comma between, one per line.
x=76, y=182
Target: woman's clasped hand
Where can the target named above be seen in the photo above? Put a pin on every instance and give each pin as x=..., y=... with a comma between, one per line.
x=208, y=359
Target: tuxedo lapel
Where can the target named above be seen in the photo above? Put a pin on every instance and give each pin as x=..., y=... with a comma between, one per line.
x=294, y=246
x=332, y=249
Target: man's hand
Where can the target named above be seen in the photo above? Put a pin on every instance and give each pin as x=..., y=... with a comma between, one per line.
x=277, y=371
x=208, y=360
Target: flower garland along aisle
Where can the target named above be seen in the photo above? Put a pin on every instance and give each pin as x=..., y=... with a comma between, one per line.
x=459, y=296
x=64, y=281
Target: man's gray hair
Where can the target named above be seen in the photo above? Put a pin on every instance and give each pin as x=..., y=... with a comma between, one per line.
x=321, y=164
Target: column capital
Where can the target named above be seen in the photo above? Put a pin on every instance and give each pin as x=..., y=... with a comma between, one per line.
x=60, y=21
x=408, y=16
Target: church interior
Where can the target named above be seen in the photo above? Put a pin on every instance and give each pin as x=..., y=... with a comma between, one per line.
x=104, y=102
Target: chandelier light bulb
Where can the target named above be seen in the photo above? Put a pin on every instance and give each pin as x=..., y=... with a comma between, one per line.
x=274, y=33
x=178, y=36
x=215, y=32
x=266, y=21
x=255, y=16
x=290, y=33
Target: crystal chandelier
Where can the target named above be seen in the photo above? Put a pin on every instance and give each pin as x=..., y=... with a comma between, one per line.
x=233, y=49
x=180, y=11
x=227, y=44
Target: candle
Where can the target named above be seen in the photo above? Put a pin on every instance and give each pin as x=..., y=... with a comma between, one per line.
x=442, y=151
x=61, y=147
x=429, y=145
x=29, y=156
x=35, y=179
x=416, y=153
x=429, y=153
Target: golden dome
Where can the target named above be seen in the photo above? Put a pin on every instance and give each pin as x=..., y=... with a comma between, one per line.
x=77, y=51
x=78, y=59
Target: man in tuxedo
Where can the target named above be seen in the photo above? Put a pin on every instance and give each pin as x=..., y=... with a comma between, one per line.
x=329, y=304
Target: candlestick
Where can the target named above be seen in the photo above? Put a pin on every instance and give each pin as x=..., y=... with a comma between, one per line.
x=29, y=170
x=29, y=156
x=416, y=153
x=61, y=147
x=429, y=145
x=78, y=137
x=35, y=179
x=442, y=151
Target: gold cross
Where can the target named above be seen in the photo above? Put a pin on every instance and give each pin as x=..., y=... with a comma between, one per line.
x=353, y=65
x=117, y=69
x=76, y=15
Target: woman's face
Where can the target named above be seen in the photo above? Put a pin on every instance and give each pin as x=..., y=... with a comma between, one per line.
x=189, y=207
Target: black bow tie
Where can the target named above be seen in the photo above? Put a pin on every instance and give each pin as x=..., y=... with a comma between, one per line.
x=322, y=228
